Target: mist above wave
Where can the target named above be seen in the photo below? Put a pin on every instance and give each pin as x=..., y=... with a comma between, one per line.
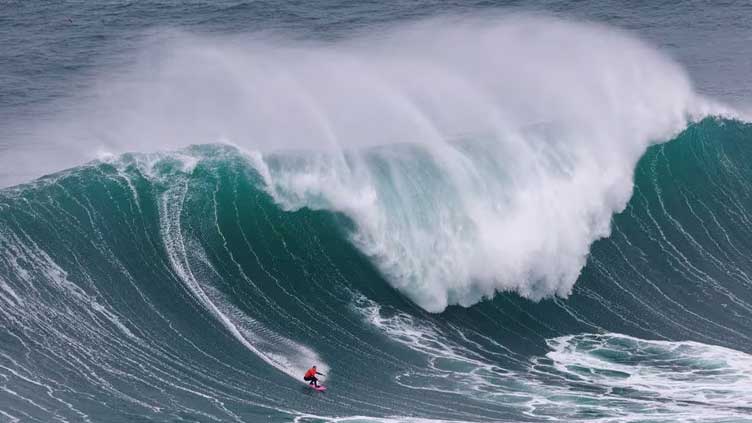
x=520, y=139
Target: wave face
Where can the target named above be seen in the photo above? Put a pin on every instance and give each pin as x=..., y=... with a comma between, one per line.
x=192, y=286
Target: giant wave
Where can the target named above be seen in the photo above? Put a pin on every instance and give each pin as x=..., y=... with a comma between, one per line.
x=173, y=285
x=525, y=130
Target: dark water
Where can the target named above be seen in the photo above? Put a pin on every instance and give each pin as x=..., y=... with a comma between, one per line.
x=587, y=262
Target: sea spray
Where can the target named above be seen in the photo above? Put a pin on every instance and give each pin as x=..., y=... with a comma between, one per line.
x=518, y=139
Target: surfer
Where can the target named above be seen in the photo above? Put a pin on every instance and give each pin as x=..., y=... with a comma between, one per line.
x=310, y=376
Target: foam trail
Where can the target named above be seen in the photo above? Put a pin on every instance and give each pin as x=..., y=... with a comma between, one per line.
x=275, y=350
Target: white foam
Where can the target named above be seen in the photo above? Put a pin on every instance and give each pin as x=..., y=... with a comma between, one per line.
x=523, y=133
x=552, y=121
x=451, y=367
x=596, y=377
x=689, y=372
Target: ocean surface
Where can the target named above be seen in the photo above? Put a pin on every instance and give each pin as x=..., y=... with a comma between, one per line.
x=467, y=211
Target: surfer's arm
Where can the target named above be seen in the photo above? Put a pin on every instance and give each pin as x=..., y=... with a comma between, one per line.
x=320, y=374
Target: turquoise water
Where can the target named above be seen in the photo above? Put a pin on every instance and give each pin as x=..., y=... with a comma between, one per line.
x=470, y=212
x=173, y=287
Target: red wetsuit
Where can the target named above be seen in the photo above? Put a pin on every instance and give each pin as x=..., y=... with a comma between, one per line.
x=310, y=376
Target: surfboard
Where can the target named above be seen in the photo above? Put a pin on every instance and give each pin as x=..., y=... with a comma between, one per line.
x=319, y=388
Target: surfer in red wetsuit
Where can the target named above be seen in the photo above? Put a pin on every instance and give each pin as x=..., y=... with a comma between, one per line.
x=310, y=376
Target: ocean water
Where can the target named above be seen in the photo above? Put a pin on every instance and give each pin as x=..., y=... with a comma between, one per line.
x=460, y=211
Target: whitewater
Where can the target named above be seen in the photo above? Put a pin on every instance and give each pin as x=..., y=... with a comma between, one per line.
x=507, y=217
